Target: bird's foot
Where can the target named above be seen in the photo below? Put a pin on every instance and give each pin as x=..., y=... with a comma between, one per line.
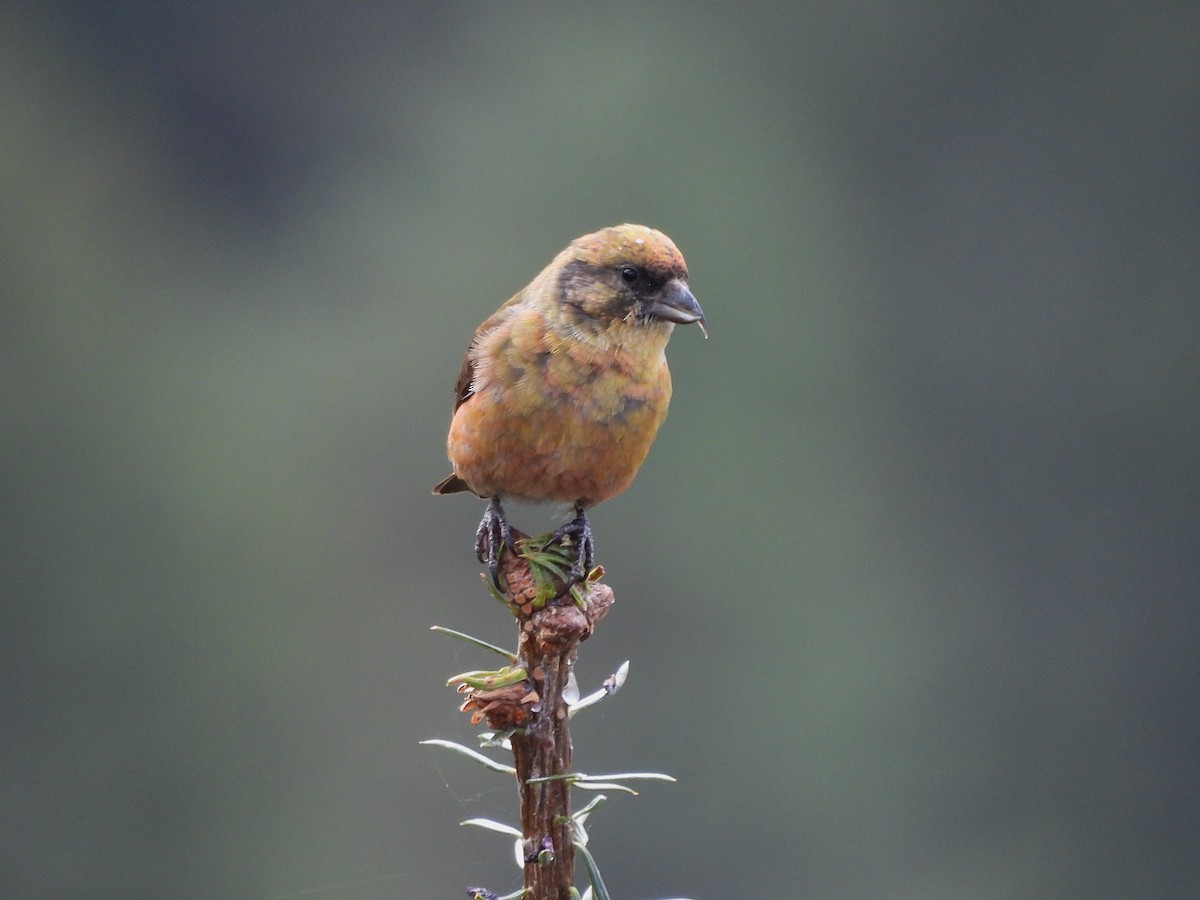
x=493, y=534
x=579, y=533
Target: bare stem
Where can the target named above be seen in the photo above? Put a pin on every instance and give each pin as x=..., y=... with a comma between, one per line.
x=544, y=749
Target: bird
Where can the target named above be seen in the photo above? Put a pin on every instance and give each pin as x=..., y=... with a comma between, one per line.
x=563, y=389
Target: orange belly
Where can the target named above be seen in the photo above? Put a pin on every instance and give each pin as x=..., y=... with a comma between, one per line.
x=516, y=443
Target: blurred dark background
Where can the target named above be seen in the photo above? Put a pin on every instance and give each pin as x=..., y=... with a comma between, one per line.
x=909, y=580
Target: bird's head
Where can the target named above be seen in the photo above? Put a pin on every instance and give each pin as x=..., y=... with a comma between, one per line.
x=629, y=274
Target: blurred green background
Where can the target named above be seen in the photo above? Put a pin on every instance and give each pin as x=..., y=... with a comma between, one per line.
x=909, y=580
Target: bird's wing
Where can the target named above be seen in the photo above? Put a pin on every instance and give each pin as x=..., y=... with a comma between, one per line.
x=464, y=387
x=466, y=375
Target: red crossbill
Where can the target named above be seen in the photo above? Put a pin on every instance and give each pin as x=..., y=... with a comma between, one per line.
x=564, y=387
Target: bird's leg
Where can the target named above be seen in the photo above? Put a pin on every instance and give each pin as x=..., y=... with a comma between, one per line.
x=493, y=532
x=579, y=531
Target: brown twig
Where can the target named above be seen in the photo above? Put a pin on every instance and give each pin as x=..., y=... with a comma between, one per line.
x=550, y=634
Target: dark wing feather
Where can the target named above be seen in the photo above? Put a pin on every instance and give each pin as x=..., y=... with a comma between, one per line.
x=452, y=484
x=466, y=374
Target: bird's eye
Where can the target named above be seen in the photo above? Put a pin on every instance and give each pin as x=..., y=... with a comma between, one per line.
x=629, y=274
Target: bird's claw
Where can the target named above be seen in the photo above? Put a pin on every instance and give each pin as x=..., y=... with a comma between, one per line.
x=493, y=533
x=579, y=532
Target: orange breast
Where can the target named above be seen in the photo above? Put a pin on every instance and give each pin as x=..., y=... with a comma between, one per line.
x=563, y=425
